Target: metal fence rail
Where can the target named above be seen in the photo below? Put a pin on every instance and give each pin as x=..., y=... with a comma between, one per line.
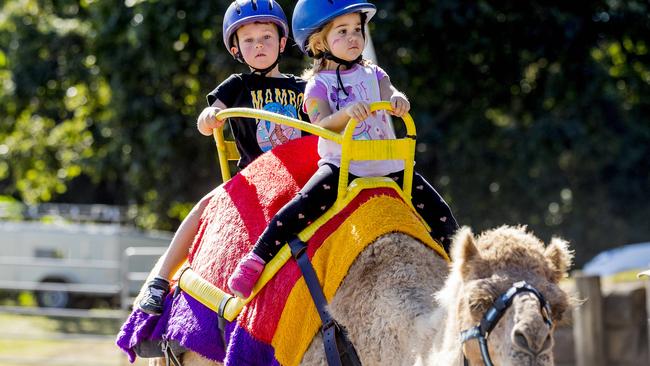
x=64, y=313
x=129, y=281
x=80, y=346
x=92, y=289
x=57, y=336
x=129, y=277
x=56, y=361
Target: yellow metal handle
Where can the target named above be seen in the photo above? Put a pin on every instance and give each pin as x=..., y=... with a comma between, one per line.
x=267, y=116
x=280, y=119
x=399, y=149
x=222, y=153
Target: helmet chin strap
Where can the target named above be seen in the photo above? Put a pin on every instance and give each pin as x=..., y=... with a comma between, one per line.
x=341, y=62
x=265, y=71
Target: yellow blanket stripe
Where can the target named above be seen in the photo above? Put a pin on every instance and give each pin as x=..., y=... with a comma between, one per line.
x=332, y=261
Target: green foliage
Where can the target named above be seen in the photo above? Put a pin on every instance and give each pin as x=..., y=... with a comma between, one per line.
x=528, y=112
x=48, y=102
x=10, y=208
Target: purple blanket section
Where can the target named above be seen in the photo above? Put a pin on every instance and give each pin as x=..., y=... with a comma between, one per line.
x=195, y=327
x=246, y=350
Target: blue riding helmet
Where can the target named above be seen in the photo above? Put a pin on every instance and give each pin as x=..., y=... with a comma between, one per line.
x=242, y=12
x=310, y=15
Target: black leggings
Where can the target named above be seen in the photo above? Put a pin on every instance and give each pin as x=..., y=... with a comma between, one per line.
x=319, y=194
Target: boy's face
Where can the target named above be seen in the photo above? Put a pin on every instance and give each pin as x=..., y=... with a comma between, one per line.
x=259, y=44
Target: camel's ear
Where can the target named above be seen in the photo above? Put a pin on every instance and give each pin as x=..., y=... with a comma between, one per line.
x=559, y=256
x=463, y=249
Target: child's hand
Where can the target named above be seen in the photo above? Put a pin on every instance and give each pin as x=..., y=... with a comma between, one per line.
x=358, y=110
x=208, y=121
x=400, y=104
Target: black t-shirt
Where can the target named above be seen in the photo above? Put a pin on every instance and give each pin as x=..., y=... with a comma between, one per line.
x=280, y=95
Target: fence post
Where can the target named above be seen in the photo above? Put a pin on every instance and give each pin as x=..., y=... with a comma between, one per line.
x=647, y=312
x=124, y=268
x=588, y=328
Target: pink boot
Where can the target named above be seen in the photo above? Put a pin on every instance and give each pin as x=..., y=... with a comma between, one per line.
x=248, y=270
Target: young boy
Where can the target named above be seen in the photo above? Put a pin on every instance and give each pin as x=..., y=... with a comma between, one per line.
x=255, y=33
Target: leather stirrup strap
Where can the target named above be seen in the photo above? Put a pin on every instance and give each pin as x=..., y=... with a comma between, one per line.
x=338, y=348
x=170, y=357
x=221, y=320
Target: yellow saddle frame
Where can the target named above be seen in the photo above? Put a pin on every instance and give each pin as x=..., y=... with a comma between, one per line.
x=403, y=149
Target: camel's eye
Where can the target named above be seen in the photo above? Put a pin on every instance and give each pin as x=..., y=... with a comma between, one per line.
x=480, y=297
x=558, y=311
x=478, y=306
x=559, y=303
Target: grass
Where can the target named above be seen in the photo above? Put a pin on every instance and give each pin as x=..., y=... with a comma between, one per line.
x=39, y=340
x=35, y=340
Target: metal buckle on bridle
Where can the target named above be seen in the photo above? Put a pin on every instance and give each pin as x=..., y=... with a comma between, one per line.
x=492, y=316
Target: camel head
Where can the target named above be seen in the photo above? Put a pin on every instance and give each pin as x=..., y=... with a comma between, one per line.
x=484, y=269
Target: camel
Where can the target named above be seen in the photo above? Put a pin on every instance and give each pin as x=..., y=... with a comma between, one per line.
x=404, y=305
x=401, y=302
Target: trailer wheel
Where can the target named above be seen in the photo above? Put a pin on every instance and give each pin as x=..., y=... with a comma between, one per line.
x=53, y=299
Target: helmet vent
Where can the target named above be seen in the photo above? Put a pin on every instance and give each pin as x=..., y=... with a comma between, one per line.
x=330, y=1
x=237, y=8
x=254, y=5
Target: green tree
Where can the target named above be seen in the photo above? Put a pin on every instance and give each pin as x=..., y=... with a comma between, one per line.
x=100, y=101
x=528, y=112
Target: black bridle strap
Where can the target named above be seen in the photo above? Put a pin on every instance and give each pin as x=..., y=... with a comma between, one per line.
x=485, y=354
x=482, y=342
x=494, y=314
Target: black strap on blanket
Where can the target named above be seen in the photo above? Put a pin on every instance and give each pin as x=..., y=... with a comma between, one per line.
x=338, y=348
x=222, y=320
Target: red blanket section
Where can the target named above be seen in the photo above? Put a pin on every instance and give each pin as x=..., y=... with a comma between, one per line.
x=239, y=211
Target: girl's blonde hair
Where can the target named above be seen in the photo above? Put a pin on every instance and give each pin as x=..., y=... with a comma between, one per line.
x=317, y=45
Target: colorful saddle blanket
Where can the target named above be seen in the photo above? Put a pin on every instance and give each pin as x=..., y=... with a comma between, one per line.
x=277, y=326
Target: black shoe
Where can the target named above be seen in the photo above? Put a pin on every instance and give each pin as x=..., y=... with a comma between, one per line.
x=154, y=296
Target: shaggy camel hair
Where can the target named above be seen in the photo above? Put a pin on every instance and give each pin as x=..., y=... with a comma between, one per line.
x=399, y=309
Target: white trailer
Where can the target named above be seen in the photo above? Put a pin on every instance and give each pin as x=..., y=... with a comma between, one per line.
x=64, y=262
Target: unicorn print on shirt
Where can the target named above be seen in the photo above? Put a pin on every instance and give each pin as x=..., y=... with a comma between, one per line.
x=270, y=134
x=281, y=101
x=336, y=93
x=362, y=130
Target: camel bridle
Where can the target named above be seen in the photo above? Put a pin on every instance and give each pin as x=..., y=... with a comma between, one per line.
x=492, y=316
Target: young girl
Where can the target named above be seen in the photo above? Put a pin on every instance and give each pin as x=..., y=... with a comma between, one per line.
x=341, y=85
x=255, y=33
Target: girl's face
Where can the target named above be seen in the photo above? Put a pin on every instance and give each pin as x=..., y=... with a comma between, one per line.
x=345, y=38
x=259, y=44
